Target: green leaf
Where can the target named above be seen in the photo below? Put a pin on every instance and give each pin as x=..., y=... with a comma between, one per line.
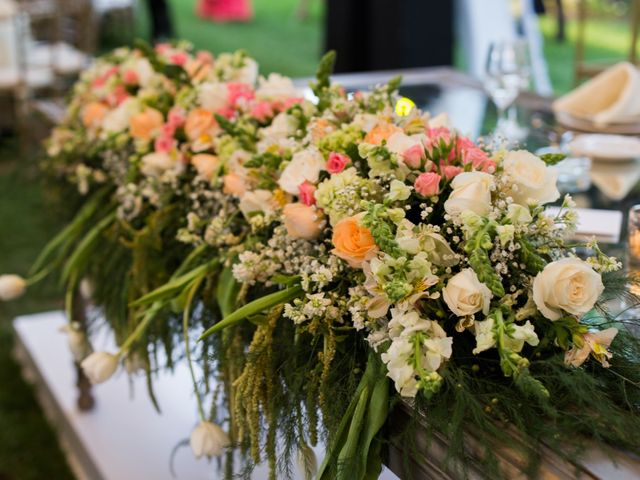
x=227, y=292
x=348, y=451
x=552, y=158
x=324, y=71
x=257, y=306
x=376, y=418
x=82, y=253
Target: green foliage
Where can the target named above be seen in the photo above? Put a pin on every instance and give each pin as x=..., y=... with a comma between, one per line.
x=477, y=248
x=323, y=82
x=552, y=158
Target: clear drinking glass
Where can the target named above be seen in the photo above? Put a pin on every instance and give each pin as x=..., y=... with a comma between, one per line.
x=508, y=72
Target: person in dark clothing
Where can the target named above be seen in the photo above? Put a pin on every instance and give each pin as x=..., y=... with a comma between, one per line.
x=389, y=34
x=161, y=23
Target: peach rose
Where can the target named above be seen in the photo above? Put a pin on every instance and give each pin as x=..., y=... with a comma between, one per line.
x=428, y=184
x=382, y=131
x=302, y=221
x=199, y=123
x=205, y=164
x=93, y=113
x=234, y=185
x=145, y=124
x=353, y=242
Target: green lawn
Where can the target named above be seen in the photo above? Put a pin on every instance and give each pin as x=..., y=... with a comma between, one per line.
x=275, y=37
x=28, y=449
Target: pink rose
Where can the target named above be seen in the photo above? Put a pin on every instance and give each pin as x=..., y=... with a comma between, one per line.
x=204, y=57
x=176, y=117
x=130, y=77
x=162, y=47
x=168, y=130
x=238, y=90
x=428, y=184
x=337, y=162
x=450, y=171
x=179, y=58
x=164, y=144
x=307, y=191
x=262, y=111
x=413, y=156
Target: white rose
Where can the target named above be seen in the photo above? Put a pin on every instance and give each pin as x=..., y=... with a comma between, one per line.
x=276, y=86
x=281, y=127
x=533, y=182
x=257, y=201
x=305, y=166
x=117, y=119
x=568, y=284
x=100, y=366
x=213, y=96
x=466, y=295
x=399, y=142
x=208, y=440
x=11, y=287
x=471, y=191
x=156, y=163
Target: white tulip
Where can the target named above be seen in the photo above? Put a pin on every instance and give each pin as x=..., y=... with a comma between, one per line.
x=11, y=287
x=78, y=343
x=100, y=366
x=208, y=439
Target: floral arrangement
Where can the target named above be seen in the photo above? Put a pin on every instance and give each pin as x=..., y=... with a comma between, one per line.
x=337, y=260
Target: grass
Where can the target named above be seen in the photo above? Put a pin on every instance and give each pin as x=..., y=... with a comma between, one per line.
x=280, y=42
x=275, y=37
x=28, y=448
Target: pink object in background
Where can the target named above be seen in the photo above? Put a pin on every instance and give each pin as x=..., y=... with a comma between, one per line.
x=225, y=10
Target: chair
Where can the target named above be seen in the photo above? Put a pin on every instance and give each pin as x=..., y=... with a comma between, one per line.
x=586, y=69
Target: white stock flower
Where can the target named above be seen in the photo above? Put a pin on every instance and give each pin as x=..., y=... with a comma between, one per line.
x=485, y=339
x=399, y=370
x=471, y=191
x=569, y=285
x=281, y=127
x=100, y=366
x=398, y=191
x=518, y=334
x=11, y=287
x=466, y=295
x=518, y=215
x=276, y=86
x=213, y=96
x=305, y=166
x=208, y=440
x=533, y=182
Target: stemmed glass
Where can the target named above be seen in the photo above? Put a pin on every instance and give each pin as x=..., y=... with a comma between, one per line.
x=507, y=74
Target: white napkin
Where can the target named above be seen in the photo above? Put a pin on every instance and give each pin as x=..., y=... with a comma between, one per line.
x=616, y=179
x=612, y=96
x=605, y=225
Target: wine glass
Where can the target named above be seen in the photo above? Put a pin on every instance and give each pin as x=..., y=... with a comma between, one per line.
x=507, y=74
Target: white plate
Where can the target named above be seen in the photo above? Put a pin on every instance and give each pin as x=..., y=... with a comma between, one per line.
x=606, y=147
x=583, y=125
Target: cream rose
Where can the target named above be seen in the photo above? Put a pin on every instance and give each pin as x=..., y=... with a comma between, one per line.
x=471, y=191
x=205, y=164
x=533, y=182
x=569, y=285
x=302, y=221
x=465, y=294
x=305, y=166
x=156, y=163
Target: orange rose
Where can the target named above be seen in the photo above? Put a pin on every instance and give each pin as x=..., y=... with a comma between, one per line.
x=199, y=124
x=382, y=131
x=205, y=164
x=353, y=242
x=93, y=113
x=198, y=70
x=234, y=185
x=145, y=124
x=302, y=221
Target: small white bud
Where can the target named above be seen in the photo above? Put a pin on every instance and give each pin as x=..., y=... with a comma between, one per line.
x=11, y=287
x=77, y=341
x=208, y=439
x=100, y=366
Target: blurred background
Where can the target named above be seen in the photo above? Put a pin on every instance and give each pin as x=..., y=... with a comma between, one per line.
x=45, y=44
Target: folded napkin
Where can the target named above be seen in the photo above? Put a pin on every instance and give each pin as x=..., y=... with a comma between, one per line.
x=605, y=225
x=612, y=96
x=615, y=180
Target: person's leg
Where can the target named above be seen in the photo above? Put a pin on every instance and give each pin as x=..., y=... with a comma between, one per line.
x=161, y=24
